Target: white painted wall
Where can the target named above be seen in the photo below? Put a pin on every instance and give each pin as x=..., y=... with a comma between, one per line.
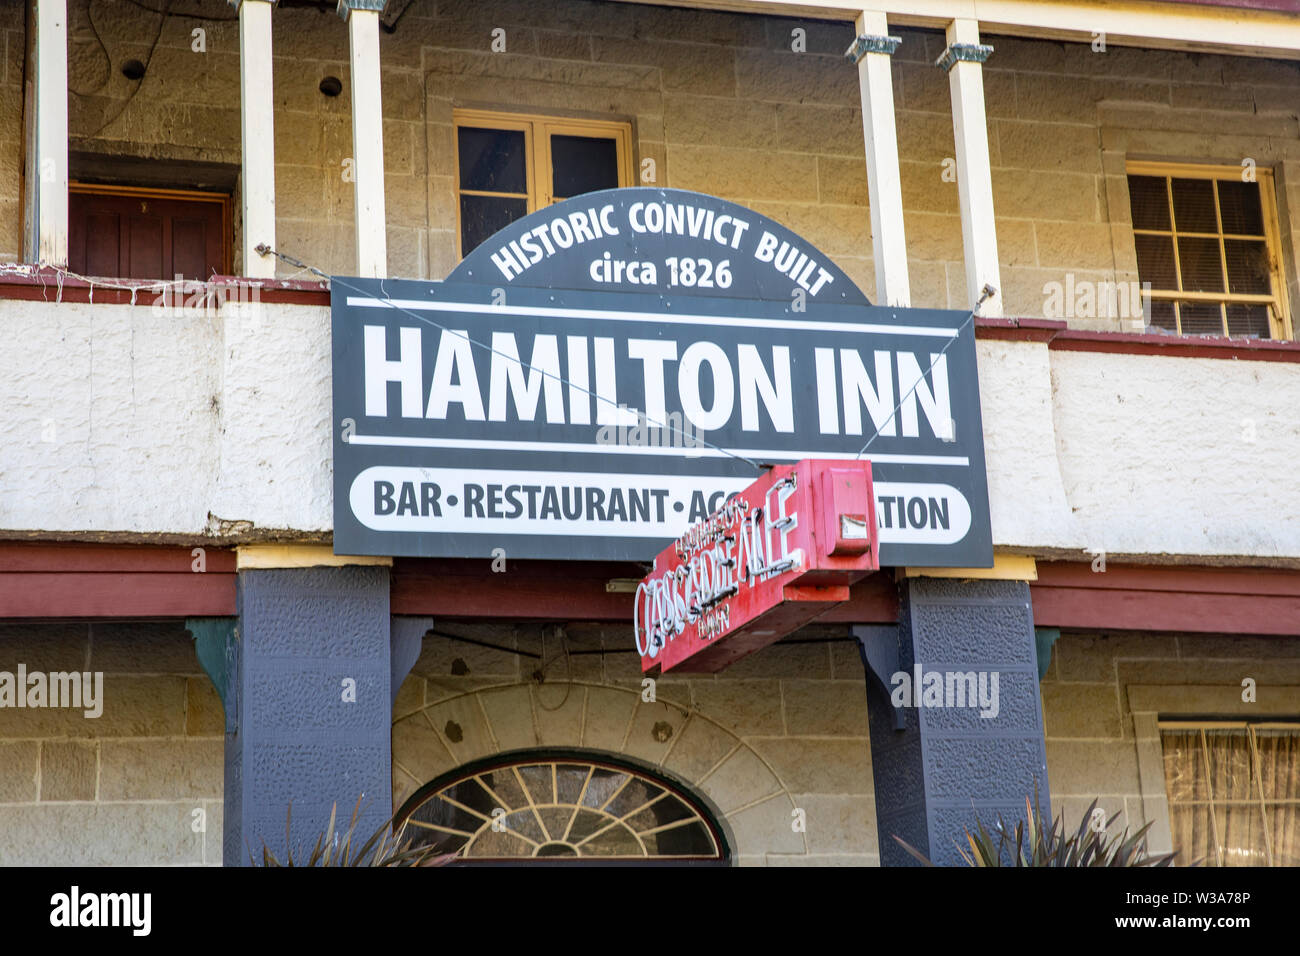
x=1178, y=455
x=119, y=420
x=1026, y=489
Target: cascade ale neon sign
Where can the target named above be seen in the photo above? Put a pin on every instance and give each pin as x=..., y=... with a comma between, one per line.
x=774, y=557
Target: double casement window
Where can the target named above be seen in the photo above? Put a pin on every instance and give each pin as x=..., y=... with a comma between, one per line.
x=1234, y=792
x=509, y=165
x=1207, y=243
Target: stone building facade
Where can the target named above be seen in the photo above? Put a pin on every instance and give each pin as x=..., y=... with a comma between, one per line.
x=784, y=730
x=211, y=435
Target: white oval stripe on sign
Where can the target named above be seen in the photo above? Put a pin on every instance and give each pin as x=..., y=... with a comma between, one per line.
x=921, y=512
x=488, y=501
x=496, y=501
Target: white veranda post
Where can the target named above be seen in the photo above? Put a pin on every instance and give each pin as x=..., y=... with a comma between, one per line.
x=257, y=135
x=47, y=156
x=367, y=135
x=964, y=60
x=872, y=51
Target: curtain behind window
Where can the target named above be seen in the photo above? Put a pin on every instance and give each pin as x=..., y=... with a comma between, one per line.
x=1233, y=795
x=1279, y=761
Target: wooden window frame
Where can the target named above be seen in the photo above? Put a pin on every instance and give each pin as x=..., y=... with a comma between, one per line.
x=1257, y=800
x=188, y=195
x=1280, y=328
x=538, y=130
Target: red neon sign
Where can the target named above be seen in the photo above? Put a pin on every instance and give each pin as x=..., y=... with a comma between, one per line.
x=774, y=557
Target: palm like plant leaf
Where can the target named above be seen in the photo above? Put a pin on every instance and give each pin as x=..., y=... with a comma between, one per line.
x=384, y=847
x=1036, y=842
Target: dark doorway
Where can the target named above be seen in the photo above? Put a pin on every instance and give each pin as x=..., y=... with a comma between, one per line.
x=134, y=233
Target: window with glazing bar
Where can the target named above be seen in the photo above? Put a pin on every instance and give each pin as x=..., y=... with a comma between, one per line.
x=1207, y=244
x=510, y=164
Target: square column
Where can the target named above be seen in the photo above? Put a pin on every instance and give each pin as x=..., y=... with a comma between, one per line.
x=257, y=135
x=46, y=183
x=964, y=62
x=939, y=758
x=872, y=52
x=308, y=687
x=367, y=136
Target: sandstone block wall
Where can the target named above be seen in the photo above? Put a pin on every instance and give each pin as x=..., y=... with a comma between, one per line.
x=14, y=38
x=122, y=788
x=785, y=729
x=1104, y=692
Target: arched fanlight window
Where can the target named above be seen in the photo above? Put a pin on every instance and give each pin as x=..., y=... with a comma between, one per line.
x=561, y=806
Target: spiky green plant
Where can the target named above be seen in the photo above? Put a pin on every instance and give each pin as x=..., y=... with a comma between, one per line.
x=384, y=847
x=1033, y=842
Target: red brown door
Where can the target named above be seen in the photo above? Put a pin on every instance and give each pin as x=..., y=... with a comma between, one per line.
x=141, y=234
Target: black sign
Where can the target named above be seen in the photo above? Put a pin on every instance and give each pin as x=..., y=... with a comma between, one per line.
x=557, y=404
x=662, y=241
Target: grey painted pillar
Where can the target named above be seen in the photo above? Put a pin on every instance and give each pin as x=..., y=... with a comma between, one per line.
x=936, y=767
x=309, y=709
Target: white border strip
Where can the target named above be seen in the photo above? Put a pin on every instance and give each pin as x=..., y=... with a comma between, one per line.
x=405, y=441
x=370, y=302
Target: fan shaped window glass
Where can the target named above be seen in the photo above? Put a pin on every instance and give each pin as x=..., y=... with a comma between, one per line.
x=561, y=808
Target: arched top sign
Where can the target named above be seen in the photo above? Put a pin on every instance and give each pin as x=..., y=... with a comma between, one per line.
x=645, y=239
x=600, y=376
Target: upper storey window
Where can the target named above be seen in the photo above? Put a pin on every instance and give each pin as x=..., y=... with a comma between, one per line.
x=509, y=165
x=1207, y=242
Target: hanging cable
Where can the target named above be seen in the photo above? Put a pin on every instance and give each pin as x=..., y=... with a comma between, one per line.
x=988, y=292
x=477, y=643
x=153, y=46
x=539, y=675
